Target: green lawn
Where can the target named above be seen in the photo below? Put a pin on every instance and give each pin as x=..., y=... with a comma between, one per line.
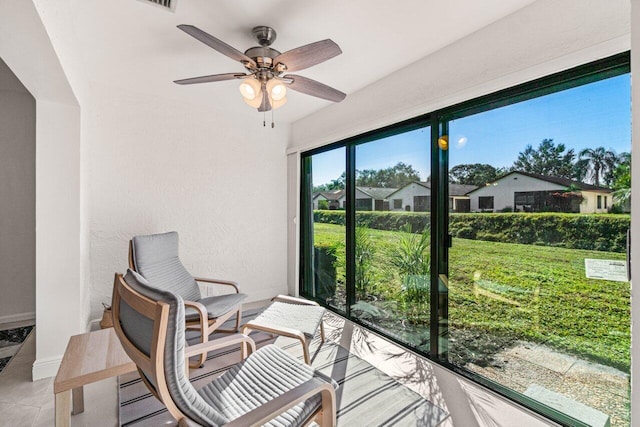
x=505, y=292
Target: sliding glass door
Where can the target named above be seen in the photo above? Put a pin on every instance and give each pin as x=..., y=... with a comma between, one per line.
x=538, y=291
x=490, y=237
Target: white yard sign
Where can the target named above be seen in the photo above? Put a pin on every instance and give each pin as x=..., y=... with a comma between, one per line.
x=606, y=269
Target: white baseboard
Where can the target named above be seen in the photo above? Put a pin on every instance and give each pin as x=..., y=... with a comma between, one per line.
x=17, y=317
x=45, y=368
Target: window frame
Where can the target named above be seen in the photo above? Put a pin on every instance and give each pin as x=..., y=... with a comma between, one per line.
x=438, y=120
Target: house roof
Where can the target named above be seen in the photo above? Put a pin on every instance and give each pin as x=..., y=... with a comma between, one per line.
x=454, y=189
x=376, y=192
x=460, y=189
x=565, y=182
x=330, y=195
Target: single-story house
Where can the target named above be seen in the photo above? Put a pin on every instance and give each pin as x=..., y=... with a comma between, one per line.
x=334, y=199
x=373, y=198
x=530, y=192
x=416, y=197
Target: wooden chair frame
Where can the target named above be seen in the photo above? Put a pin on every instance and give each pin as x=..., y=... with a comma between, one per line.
x=158, y=311
x=203, y=323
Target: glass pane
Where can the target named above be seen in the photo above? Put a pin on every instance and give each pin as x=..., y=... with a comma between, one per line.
x=392, y=236
x=326, y=264
x=538, y=296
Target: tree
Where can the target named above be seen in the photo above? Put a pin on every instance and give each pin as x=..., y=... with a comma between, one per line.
x=598, y=163
x=334, y=184
x=548, y=159
x=473, y=174
x=622, y=179
x=391, y=177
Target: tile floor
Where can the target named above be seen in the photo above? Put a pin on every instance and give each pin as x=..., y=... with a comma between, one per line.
x=30, y=403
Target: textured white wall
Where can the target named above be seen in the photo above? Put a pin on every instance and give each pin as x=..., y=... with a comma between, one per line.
x=26, y=48
x=219, y=181
x=17, y=199
x=545, y=37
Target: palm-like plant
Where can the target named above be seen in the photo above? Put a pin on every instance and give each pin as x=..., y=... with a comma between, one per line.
x=599, y=163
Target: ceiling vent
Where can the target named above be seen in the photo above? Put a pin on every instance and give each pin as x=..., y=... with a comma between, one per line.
x=165, y=4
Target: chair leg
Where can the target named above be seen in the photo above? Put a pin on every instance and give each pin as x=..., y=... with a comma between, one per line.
x=238, y=319
x=204, y=337
x=322, y=330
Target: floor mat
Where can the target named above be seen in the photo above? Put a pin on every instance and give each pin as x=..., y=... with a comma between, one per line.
x=10, y=342
x=366, y=396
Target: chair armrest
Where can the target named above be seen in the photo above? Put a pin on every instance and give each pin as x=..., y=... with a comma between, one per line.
x=203, y=314
x=293, y=300
x=231, y=283
x=205, y=347
x=288, y=400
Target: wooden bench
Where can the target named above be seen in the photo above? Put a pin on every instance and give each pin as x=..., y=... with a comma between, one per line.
x=89, y=357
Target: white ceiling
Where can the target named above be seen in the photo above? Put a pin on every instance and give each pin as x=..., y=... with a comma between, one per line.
x=135, y=45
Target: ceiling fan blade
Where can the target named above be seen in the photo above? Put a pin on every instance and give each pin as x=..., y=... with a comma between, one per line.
x=266, y=104
x=211, y=78
x=314, y=88
x=216, y=44
x=308, y=55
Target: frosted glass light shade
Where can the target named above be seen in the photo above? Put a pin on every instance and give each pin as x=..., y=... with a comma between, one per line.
x=279, y=103
x=250, y=89
x=276, y=90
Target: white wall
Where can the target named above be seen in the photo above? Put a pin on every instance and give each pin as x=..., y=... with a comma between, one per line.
x=219, y=181
x=590, y=202
x=407, y=193
x=27, y=50
x=503, y=189
x=545, y=37
x=17, y=199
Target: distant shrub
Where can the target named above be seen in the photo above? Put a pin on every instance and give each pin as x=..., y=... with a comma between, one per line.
x=600, y=232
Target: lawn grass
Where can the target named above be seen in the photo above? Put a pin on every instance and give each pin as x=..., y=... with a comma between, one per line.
x=516, y=291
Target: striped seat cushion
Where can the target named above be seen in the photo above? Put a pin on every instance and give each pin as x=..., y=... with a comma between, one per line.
x=303, y=318
x=265, y=375
x=217, y=306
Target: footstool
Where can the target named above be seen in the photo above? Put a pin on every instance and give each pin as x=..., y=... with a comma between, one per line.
x=290, y=317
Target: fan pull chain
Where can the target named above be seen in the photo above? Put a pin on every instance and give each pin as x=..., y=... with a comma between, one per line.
x=264, y=119
x=272, y=124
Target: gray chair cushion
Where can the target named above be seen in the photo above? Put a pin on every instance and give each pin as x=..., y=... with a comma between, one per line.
x=156, y=258
x=217, y=306
x=303, y=318
x=265, y=375
x=182, y=392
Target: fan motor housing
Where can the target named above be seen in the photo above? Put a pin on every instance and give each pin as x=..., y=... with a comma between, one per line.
x=262, y=55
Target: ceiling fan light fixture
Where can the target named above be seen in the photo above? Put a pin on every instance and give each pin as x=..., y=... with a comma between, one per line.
x=276, y=90
x=254, y=103
x=250, y=89
x=275, y=104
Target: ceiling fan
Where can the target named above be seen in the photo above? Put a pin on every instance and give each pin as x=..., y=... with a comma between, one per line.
x=264, y=86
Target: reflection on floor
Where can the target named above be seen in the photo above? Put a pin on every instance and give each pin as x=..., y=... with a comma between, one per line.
x=27, y=403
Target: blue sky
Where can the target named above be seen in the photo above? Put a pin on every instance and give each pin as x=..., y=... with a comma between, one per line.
x=589, y=116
